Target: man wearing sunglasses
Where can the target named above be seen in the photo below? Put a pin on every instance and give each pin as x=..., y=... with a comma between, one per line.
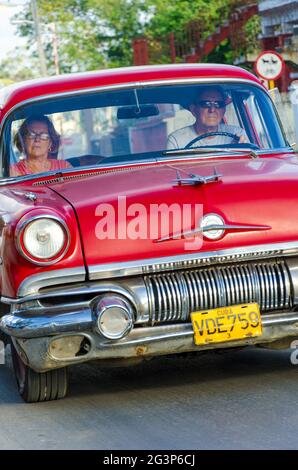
x=209, y=128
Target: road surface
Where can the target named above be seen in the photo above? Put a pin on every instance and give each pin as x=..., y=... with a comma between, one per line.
x=243, y=399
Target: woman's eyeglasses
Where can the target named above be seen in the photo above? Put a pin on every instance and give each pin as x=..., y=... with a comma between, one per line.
x=206, y=104
x=37, y=135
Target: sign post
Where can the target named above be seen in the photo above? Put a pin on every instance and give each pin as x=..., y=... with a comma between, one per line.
x=269, y=66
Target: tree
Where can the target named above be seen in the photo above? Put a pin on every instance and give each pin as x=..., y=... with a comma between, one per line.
x=203, y=17
x=98, y=33
x=18, y=66
x=91, y=33
x=175, y=16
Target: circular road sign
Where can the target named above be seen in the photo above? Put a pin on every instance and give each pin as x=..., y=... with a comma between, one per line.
x=269, y=65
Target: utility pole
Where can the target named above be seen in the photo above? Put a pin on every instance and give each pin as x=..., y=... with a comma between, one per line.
x=53, y=29
x=41, y=54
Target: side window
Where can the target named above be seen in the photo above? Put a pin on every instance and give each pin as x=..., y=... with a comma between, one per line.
x=256, y=122
x=231, y=118
x=180, y=118
x=15, y=154
x=73, y=141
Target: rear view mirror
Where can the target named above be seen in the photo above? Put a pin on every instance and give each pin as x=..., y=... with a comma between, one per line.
x=137, y=112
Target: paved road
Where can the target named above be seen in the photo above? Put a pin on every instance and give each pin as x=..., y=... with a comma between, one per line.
x=245, y=399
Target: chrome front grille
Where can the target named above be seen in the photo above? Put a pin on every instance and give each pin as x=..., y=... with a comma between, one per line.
x=173, y=296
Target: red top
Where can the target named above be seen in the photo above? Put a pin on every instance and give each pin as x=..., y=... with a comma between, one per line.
x=21, y=169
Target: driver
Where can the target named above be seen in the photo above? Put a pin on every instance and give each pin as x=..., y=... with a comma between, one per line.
x=208, y=111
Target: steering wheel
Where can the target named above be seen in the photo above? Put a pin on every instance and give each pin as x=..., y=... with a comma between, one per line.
x=235, y=138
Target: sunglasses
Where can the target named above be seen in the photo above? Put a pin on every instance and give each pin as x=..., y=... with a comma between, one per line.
x=206, y=104
x=34, y=135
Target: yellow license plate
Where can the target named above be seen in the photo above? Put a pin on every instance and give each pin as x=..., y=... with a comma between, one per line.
x=226, y=323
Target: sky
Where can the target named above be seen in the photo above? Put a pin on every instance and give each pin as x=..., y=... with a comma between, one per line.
x=8, y=38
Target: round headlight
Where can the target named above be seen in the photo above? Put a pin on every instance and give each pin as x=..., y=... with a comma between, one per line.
x=43, y=240
x=114, y=317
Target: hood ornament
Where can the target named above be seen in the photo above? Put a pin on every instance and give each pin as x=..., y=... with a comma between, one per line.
x=26, y=194
x=194, y=180
x=213, y=227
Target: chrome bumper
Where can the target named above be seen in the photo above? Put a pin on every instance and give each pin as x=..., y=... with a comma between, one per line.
x=142, y=342
x=162, y=304
x=32, y=325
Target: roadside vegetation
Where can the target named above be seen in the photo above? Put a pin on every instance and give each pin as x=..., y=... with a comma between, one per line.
x=94, y=34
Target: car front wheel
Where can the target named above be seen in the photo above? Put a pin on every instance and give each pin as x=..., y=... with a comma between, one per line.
x=38, y=386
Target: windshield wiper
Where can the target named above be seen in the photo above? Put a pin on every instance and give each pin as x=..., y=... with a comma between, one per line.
x=206, y=150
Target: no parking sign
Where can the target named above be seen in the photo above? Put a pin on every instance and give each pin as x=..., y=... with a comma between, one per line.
x=269, y=65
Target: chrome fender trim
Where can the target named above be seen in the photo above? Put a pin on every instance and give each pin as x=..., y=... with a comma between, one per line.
x=193, y=260
x=32, y=284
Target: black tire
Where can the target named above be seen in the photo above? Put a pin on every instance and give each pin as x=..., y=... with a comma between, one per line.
x=38, y=386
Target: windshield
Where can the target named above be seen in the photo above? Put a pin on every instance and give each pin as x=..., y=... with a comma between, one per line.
x=137, y=124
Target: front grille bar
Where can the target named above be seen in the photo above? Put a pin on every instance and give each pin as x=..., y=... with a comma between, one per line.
x=173, y=296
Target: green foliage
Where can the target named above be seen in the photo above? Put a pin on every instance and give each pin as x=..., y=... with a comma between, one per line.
x=244, y=41
x=93, y=34
x=221, y=54
x=17, y=67
x=5, y=82
x=175, y=16
x=253, y=30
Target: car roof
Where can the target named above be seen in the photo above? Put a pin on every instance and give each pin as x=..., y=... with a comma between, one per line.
x=23, y=91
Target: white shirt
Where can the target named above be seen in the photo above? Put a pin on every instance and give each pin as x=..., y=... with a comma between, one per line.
x=182, y=137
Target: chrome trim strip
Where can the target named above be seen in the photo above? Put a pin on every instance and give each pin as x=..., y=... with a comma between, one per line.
x=171, y=332
x=79, y=290
x=293, y=273
x=154, y=265
x=208, y=228
x=288, y=282
x=32, y=284
x=133, y=290
x=30, y=287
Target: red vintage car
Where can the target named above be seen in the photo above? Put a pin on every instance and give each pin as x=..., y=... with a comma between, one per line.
x=143, y=211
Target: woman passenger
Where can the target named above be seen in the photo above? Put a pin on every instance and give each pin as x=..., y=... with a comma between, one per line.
x=38, y=140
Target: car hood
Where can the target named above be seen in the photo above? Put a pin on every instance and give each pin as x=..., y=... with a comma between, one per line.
x=262, y=193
